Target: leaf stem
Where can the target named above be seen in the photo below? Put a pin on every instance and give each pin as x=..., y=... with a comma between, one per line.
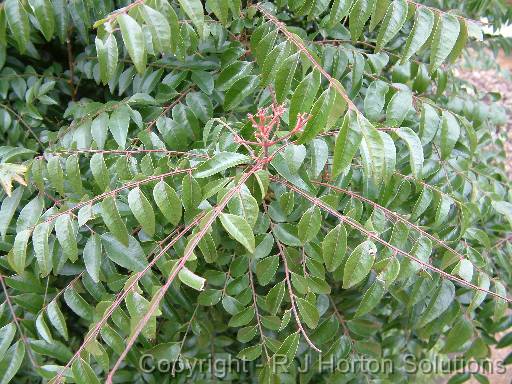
x=319, y=203
x=205, y=227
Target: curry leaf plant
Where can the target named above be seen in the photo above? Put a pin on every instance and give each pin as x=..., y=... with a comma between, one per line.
x=230, y=191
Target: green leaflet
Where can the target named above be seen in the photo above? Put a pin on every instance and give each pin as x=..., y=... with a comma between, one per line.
x=241, y=89
x=92, y=256
x=275, y=297
x=159, y=27
x=429, y=123
x=112, y=339
x=43, y=11
x=168, y=202
x=250, y=353
x=309, y=224
x=359, y=15
x=19, y=250
x=389, y=272
x=12, y=361
x=134, y=40
x=504, y=208
x=422, y=203
x=376, y=151
x=308, y=312
x=273, y=61
x=358, y=264
x=7, y=333
x=371, y=298
x=421, y=251
x=243, y=204
x=209, y=297
x=220, y=8
x=61, y=19
x=303, y=96
x=347, y=143
x=287, y=350
x=42, y=329
x=398, y=238
x=444, y=39
x=142, y=210
x=319, y=156
x=9, y=205
x=284, y=76
x=242, y=318
x=99, y=128
x=450, y=131
x=239, y=229
x=379, y=11
x=56, y=318
x=357, y=74
x=375, y=99
x=423, y=24
x=191, y=279
x=41, y=247
x=389, y=154
x=18, y=21
x=194, y=10
x=66, y=235
x=500, y=305
x=266, y=269
x=464, y=269
x=264, y=46
x=73, y=174
x=83, y=373
x=220, y=162
x=461, y=41
x=232, y=73
x=78, y=304
x=113, y=220
x=107, y=57
x=319, y=116
x=396, y=15
x=484, y=282
x=130, y=256
x=118, y=124
x=334, y=247
x=30, y=214
x=461, y=332
x=415, y=150
x=190, y=193
x=439, y=302
x=55, y=174
x=339, y=10
x=99, y=171
x=397, y=108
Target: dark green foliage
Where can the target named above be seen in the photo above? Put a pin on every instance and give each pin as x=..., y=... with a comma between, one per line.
x=282, y=183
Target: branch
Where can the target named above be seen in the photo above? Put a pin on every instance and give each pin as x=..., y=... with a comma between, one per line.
x=127, y=152
x=205, y=227
x=298, y=43
x=169, y=107
x=319, y=203
x=290, y=290
x=258, y=321
x=23, y=122
x=92, y=334
x=18, y=325
x=114, y=191
x=389, y=212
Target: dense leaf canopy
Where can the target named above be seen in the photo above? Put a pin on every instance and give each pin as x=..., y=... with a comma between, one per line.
x=279, y=184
